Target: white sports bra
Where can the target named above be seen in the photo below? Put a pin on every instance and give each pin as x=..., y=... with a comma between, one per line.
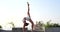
x=28, y=18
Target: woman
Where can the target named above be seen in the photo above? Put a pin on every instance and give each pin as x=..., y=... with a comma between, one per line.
x=28, y=19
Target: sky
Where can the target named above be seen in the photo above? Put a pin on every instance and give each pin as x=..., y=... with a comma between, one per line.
x=40, y=10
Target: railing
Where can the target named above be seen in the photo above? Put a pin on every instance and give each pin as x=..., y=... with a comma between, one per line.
x=19, y=30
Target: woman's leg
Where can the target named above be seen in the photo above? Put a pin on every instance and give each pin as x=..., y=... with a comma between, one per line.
x=32, y=24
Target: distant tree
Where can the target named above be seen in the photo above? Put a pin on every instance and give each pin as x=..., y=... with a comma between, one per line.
x=56, y=25
x=39, y=26
x=0, y=27
x=48, y=25
x=12, y=24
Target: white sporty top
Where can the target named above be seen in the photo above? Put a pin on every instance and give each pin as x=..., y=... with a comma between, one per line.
x=27, y=18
